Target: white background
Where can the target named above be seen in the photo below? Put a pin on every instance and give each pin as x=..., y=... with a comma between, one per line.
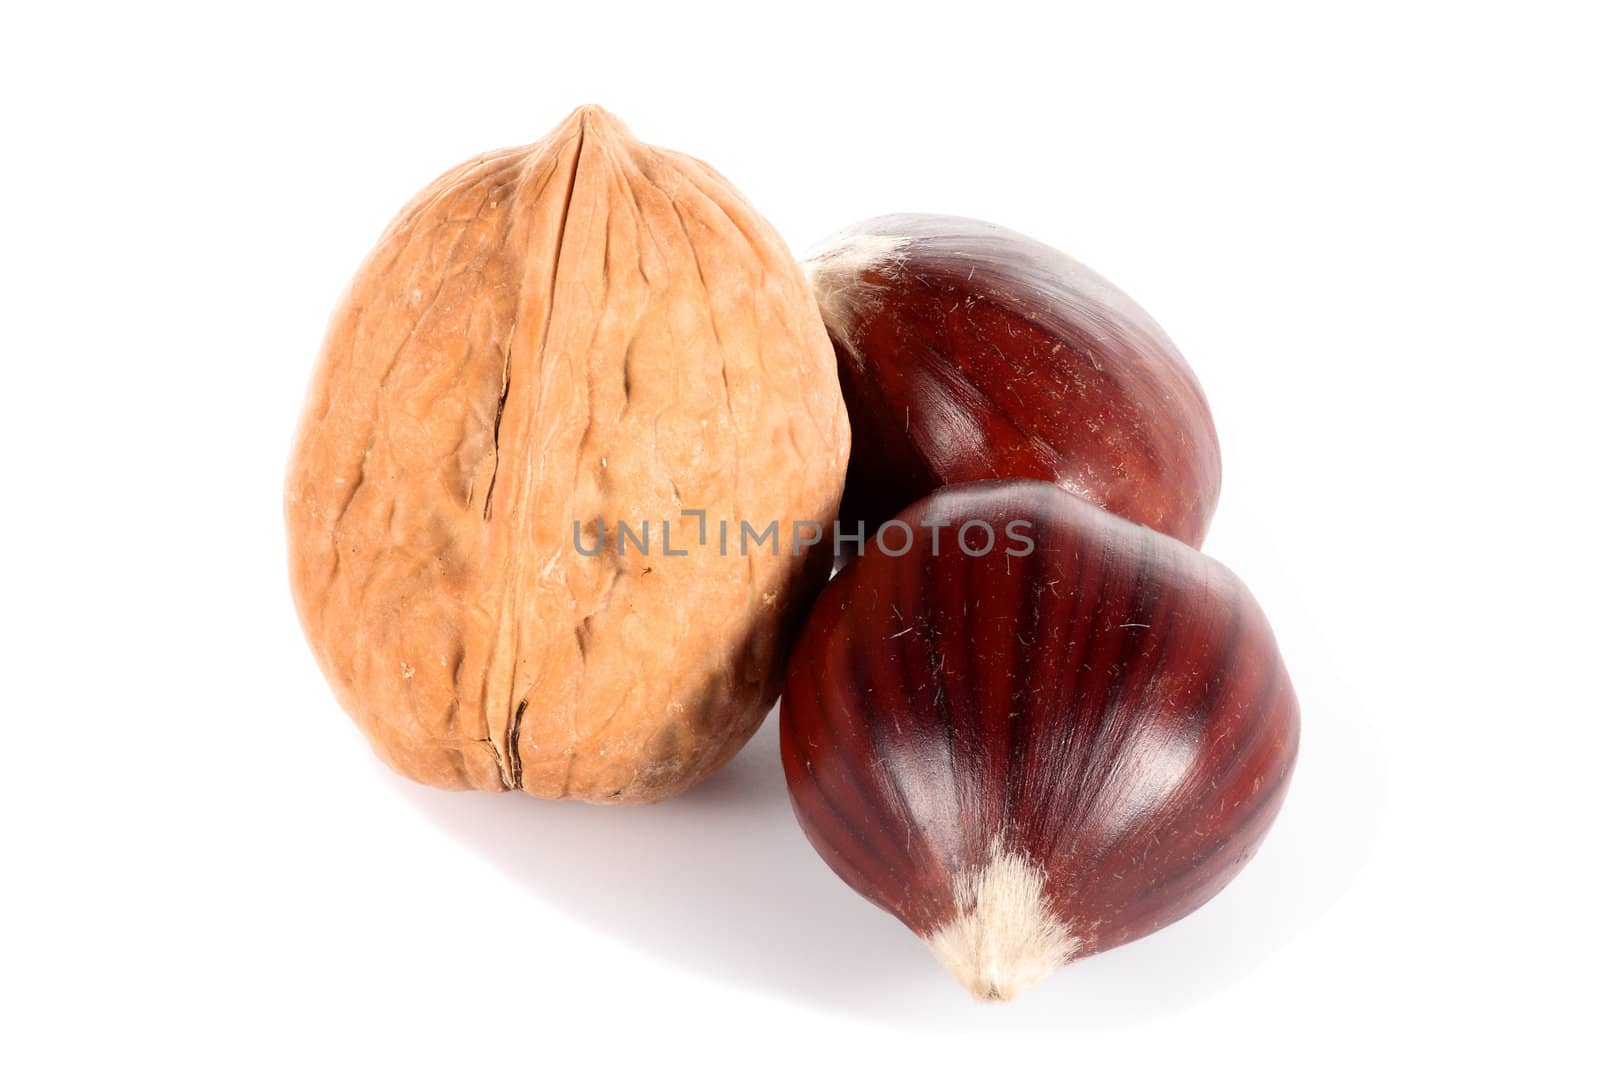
x=1372, y=230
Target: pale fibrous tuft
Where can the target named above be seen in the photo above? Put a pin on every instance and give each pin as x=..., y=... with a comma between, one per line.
x=835, y=269
x=1003, y=938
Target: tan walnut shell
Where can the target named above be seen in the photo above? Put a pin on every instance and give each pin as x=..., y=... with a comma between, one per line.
x=580, y=331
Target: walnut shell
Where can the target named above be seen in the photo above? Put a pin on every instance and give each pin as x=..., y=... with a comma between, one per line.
x=550, y=339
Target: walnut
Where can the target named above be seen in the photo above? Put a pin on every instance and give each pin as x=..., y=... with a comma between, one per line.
x=548, y=341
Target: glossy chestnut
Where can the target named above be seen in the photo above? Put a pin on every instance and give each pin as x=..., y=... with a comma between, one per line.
x=1042, y=751
x=967, y=352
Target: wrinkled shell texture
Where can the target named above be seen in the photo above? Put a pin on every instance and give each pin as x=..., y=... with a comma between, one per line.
x=584, y=330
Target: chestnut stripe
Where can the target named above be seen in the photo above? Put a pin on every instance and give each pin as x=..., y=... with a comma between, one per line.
x=915, y=614
x=1200, y=776
x=1197, y=813
x=809, y=821
x=1089, y=709
x=890, y=792
x=1031, y=571
x=853, y=768
x=1119, y=719
x=1160, y=893
x=1087, y=579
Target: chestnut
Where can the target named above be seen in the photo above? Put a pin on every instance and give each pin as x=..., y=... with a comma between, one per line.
x=1033, y=730
x=967, y=352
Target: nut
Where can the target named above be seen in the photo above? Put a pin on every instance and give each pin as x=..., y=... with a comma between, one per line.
x=969, y=352
x=1043, y=750
x=547, y=341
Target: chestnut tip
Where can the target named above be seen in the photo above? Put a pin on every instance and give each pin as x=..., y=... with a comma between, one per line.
x=1004, y=938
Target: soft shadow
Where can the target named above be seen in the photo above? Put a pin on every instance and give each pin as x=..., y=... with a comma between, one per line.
x=722, y=882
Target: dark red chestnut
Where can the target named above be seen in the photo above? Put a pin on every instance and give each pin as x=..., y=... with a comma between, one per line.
x=1039, y=732
x=967, y=351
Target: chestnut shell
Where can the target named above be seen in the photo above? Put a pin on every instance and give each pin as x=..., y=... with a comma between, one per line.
x=968, y=352
x=1108, y=714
